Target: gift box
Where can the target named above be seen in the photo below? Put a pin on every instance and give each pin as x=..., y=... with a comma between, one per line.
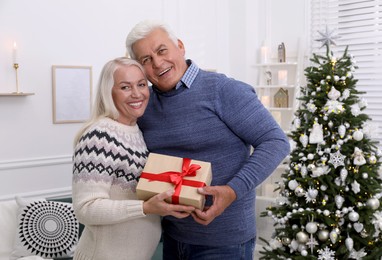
x=163, y=172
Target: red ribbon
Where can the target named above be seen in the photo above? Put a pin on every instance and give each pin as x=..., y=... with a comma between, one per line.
x=177, y=178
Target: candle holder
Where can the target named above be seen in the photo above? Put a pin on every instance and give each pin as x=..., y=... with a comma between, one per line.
x=16, y=66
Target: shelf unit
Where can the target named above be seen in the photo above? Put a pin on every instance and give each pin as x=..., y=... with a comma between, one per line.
x=268, y=88
x=16, y=94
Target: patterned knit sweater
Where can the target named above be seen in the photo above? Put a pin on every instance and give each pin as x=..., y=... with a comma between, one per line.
x=108, y=161
x=216, y=119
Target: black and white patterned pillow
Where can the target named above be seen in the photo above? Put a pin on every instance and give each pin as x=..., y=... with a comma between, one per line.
x=48, y=229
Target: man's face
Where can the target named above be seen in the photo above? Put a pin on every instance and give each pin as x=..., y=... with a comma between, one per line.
x=162, y=59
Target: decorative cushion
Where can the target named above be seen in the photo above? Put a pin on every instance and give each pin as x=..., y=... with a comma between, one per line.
x=48, y=229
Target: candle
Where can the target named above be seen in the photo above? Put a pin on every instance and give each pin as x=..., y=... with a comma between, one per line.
x=15, y=53
x=277, y=116
x=264, y=51
x=265, y=100
x=283, y=77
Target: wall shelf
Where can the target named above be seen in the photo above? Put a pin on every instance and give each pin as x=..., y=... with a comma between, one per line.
x=15, y=94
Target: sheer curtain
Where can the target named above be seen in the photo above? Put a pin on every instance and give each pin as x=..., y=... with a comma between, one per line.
x=358, y=23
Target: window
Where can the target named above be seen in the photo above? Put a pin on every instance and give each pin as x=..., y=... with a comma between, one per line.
x=358, y=23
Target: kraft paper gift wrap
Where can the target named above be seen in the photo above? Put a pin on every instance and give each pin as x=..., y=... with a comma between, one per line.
x=164, y=172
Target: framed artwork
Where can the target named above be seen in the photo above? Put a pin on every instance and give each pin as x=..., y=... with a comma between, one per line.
x=72, y=93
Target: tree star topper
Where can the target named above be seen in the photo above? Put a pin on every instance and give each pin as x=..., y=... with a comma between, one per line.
x=328, y=37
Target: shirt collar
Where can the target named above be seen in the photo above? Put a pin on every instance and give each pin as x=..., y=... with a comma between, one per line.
x=189, y=76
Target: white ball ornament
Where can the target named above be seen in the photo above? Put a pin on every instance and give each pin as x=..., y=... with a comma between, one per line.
x=304, y=252
x=292, y=185
x=311, y=227
x=365, y=175
x=353, y=216
x=358, y=135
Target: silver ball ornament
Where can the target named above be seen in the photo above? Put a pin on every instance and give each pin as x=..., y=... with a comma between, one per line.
x=323, y=235
x=373, y=203
x=302, y=237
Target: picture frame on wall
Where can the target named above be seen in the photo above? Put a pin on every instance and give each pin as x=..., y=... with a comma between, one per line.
x=72, y=93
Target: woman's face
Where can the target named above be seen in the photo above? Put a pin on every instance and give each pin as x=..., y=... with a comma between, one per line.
x=130, y=93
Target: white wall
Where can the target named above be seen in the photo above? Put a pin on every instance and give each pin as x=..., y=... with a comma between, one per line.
x=225, y=35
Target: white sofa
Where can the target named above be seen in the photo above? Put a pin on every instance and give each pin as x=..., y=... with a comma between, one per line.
x=9, y=226
x=9, y=229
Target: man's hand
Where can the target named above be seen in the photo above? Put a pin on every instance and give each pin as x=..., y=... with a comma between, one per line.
x=158, y=205
x=223, y=196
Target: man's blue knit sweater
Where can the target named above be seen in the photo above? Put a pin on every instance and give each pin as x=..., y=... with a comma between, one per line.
x=216, y=119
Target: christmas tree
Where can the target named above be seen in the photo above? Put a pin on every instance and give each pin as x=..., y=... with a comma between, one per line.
x=329, y=197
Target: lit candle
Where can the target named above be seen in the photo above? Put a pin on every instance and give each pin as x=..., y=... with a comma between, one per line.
x=265, y=100
x=264, y=51
x=283, y=77
x=15, y=53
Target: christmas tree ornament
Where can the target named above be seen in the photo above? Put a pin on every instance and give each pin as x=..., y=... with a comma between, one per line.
x=316, y=135
x=311, y=195
x=357, y=255
x=302, y=237
x=297, y=123
x=292, y=184
x=373, y=203
x=364, y=233
x=342, y=131
x=299, y=191
x=330, y=124
x=286, y=241
x=353, y=216
x=336, y=78
x=349, y=243
x=358, y=227
x=362, y=103
x=311, y=107
x=373, y=159
x=357, y=135
x=343, y=174
x=355, y=187
x=334, y=94
x=327, y=37
x=304, y=140
x=310, y=156
x=339, y=200
x=311, y=227
x=355, y=110
x=365, y=175
x=304, y=171
x=323, y=235
x=333, y=235
x=337, y=159
x=345, y=94
x=359, y=158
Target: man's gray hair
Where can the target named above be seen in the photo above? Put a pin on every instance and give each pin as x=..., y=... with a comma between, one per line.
x=141, y=30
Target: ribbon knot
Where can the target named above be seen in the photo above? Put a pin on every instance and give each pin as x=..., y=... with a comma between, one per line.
x=176, y=178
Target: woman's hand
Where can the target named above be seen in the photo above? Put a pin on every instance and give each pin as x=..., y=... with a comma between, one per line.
x=157, y=205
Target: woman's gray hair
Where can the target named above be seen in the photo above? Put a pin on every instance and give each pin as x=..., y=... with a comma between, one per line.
x=141, y=30
x=103, y=105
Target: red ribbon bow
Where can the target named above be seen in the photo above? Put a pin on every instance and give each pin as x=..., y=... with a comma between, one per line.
x=177, y=178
